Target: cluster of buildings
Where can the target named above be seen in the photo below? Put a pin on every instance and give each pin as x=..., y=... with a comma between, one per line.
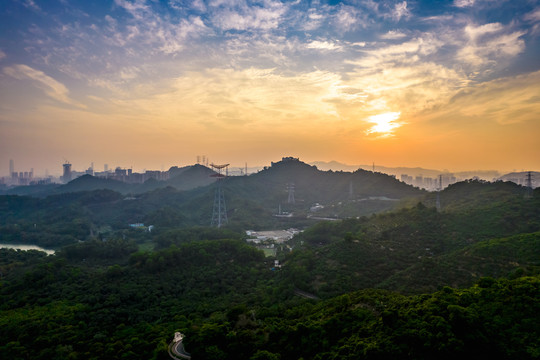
x=21, y=178
x=275, y=236
x=119, y=174
x=429, y=183
x=18, y=178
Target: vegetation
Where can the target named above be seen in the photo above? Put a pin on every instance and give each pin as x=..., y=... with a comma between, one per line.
x=412, y=283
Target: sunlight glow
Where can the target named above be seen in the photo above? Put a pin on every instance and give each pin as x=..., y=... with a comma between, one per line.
x=384, y=124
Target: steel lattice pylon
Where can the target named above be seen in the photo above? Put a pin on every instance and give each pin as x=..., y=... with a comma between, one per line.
x=219, y=213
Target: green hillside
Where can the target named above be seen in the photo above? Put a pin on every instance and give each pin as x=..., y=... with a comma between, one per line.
x=410, y=282
x=383, y=250
x=87, y=205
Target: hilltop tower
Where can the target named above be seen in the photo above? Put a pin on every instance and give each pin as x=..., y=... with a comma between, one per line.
x=219, y=212
x=66, y=177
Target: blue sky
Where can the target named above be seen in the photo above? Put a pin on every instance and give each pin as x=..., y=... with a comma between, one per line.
x=443, y=84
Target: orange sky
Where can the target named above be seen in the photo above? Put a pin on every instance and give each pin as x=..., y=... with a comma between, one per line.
x=134, y=86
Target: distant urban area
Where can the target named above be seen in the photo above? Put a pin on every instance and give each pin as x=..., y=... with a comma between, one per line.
x=428, y=179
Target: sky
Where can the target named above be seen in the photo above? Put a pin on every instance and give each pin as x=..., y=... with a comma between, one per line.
x=148, y=84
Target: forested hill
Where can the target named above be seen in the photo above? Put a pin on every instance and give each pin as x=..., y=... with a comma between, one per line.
x=420, y=249
x=252, y=201
x=269, y=185
x=223, y=296
x=312, y=185
x=411, y=283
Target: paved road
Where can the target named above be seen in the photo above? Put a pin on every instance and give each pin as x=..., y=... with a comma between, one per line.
x=305, y=294
x=177, y=351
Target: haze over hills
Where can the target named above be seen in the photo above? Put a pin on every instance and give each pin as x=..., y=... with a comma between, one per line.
x=411, y=171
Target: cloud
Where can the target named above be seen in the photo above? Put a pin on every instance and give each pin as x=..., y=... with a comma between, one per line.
x=349, y=18
x=30, y=4
x=244, y=17
x=50, y=86
x=393, y=35
x=314, y=19
x=324, y=45
x=425, y=45
x=2, y=55
x=400, y=11
x=135, y=8
x=489, y=43
x=505, y=101
x=533, y=15
x=463, y=3
x=229, y=99
x=149, y=28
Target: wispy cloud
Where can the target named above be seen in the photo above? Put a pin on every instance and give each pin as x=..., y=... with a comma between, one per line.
x=324, y=45
x=463, y=3
x=400, y=11
x=393, y=35
x=487, y=44
x=50, y=86
x=31, y=4
x=349, y=18
x=244, y=17
x=533, y=15
x=504, y=101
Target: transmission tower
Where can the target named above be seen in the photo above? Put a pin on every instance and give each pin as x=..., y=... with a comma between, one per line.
x=528, y=194
x=290, y=188
x=219, y=213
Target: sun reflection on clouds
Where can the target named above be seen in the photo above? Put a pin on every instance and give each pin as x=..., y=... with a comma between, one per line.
x=384, y=124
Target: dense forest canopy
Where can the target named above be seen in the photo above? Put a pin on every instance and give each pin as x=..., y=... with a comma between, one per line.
x=406, y=281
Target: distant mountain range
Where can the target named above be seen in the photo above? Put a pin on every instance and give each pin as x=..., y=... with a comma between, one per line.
x=193, y=176
x=299, y=192
x=398, y=171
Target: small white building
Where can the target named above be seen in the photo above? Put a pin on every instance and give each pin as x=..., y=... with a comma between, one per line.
x=178, y=336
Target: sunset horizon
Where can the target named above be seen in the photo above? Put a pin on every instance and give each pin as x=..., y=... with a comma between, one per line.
x=451, y=85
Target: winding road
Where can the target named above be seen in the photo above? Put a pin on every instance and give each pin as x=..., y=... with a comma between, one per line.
x=176, y=348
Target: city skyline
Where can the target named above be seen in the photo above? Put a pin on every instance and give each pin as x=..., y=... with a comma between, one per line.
x=239, y=169
x=150, y=84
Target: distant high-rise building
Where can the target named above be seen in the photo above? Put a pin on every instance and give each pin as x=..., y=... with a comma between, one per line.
x=106, y=167
x=11, y=167
x=66, y=177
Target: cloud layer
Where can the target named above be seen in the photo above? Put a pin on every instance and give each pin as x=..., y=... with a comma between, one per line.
x=254, y=67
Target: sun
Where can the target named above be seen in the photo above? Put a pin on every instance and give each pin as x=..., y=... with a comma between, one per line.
x=384, y=124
